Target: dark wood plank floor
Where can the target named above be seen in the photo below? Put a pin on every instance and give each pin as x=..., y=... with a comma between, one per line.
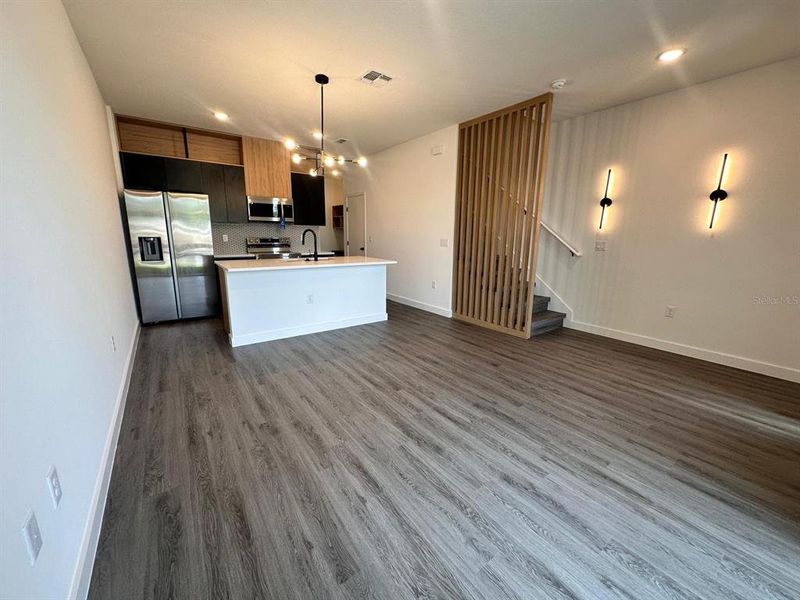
x=426, y=458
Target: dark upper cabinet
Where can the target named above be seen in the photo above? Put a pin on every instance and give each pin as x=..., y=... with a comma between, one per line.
x=224, y=184
x=214, y=185
x=143, y=172
x=236, y=198
x=308, y=198
x=184, y=175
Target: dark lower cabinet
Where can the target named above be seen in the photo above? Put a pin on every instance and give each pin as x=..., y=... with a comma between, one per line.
x=184, y=175
x=214, y=185
x=236, y=198
x=143, y=172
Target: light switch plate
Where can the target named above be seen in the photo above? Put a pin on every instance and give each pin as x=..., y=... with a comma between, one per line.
x=669, y=311
x=443, y=242
x=600, y=246
x=437, y=150
x=224, y=237
x=54, y=484
x=32, y=537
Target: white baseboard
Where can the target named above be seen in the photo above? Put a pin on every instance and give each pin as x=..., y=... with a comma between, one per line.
x=278, y=334
x=82, y=577
x=438, y=310
x=730, y=360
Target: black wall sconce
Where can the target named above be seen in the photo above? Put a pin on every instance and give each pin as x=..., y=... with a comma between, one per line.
x=606, y=201
x=718, y=194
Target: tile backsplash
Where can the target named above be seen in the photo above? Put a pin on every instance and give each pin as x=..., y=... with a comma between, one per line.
x=237, y=232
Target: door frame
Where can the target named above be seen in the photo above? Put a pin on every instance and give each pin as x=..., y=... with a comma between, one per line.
x=347, y=222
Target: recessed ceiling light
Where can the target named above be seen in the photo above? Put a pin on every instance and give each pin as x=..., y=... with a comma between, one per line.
x=671, y=55
x=221, y=115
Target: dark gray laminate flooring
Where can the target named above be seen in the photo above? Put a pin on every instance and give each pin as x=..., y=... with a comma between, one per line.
x=426, y=458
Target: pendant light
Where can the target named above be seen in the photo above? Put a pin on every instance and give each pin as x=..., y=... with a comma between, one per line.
x=321, y=159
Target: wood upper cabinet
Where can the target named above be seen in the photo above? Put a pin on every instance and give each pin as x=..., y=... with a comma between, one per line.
x=214, y=147
x=266, y=168
x=147, y=137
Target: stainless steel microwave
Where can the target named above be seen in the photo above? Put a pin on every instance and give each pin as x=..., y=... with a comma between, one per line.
x=270, y=209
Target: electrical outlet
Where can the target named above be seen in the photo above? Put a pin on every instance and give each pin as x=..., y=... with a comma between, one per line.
x=600, y=246
x=54, y=484
x=32, y=537
x=113, y=344
x=669, y=311
x=443, y=242
x=310, y=299
x=224, y=237
x=370, y=239
x=433, y=284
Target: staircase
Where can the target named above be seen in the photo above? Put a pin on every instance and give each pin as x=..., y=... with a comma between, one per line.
x=545, y=320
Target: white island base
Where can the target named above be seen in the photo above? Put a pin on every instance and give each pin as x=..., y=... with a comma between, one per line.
x=267, y=299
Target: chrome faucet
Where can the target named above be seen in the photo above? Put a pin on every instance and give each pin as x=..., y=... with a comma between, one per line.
x=303, y=241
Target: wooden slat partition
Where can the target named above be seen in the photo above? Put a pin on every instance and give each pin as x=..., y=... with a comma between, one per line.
x=500, y=184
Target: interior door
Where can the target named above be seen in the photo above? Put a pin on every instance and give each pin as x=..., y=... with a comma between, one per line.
x=193, y=252
x=356, y=224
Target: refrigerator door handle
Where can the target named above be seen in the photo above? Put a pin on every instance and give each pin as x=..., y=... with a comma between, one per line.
x=172, y=257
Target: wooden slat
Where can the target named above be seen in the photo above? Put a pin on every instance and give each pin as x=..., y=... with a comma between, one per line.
x=541, y=155
x=485, y=232
x=457, y=242
x=463, y=217
x=505, y=225
x=499, y=188
x=530, y=177
x=477, y=221
x=519, y=219
x=496, y=197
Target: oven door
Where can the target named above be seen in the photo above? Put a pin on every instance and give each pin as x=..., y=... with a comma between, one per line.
x=263, y=209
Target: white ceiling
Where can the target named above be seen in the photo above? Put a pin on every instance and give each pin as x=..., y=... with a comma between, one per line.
x=451, y=60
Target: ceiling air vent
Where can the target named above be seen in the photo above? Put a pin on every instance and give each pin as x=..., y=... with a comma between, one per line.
x=342, y=141
x=375, y=78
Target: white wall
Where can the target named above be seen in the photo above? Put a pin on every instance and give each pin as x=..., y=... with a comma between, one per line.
x=410, y=208
x=66, y=291
x=666, y=153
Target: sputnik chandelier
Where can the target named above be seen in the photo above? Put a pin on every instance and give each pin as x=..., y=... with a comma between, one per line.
x=321, y=158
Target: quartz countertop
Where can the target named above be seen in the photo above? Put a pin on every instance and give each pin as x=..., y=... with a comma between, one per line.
x=233, y=266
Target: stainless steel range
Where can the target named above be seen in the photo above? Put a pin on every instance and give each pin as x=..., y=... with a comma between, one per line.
x=269, y=247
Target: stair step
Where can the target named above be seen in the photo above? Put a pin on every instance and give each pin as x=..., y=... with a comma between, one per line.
x=540, y=303
x=547, y=320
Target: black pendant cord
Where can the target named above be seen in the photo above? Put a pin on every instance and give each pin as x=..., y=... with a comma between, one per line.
x=321, y=128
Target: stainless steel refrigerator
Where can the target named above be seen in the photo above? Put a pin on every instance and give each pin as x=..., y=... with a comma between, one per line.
x=172, y=254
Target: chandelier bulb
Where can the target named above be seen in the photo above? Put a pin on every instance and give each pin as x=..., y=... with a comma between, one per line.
x=296, y=158
x=312, y=172
x=290, y=144
x=362, y=162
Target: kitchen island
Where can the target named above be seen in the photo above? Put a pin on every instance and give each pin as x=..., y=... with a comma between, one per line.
x=270, y=299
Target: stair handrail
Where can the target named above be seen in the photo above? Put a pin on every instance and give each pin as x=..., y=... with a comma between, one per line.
x=574, y=251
